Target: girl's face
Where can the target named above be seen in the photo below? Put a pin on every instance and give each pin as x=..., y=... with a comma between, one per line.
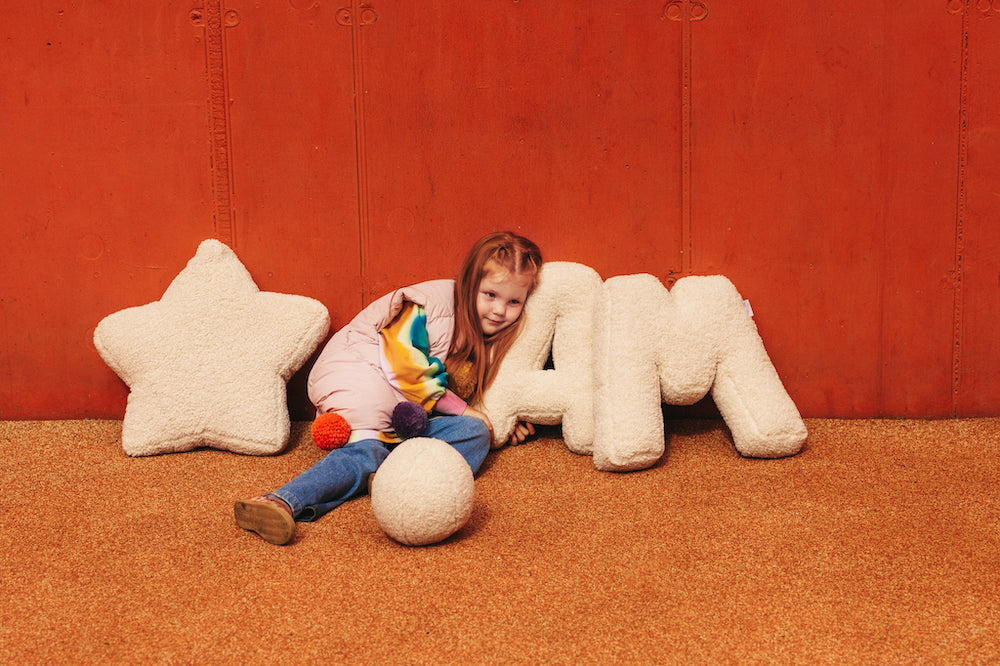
x=500, y=299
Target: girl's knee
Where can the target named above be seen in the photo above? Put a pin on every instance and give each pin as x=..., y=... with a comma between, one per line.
x=478, y=426
x=480, y=444
x=366, y=454
x=478, y=433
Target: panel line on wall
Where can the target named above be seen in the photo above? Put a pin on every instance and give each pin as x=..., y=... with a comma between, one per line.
x=960, y=214
x=215, y=20
x=356, y=17
x=686, y=242
x=686, y=12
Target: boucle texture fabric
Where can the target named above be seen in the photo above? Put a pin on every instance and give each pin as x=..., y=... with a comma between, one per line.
x=423, y=492
x=558, y=318
x=623, y=347
x=655, y=346
x=208, y=364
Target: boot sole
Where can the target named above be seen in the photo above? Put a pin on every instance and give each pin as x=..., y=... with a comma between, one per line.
x=268, y=520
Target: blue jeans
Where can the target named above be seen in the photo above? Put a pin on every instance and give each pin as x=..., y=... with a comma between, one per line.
x=343, y=473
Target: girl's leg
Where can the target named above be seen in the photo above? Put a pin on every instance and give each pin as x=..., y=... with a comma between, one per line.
x=467, y=434
x=334, y=479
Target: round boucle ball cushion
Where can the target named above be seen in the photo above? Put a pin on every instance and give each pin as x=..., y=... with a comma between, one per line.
x=423, y=492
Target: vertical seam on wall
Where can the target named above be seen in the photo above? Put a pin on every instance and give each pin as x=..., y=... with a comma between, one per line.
x=686, y=242
x=360, y=143
x=960, y=213
x=219, y=126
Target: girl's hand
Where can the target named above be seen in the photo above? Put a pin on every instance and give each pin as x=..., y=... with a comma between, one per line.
x=522, y=430
x=469, y=411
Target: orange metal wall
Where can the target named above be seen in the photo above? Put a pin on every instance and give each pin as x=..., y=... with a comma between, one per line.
x=837, y=161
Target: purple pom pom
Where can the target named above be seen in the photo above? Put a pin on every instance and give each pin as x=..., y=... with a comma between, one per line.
x=408, y=419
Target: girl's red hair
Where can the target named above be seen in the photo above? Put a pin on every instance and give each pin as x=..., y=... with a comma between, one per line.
x=502, y=250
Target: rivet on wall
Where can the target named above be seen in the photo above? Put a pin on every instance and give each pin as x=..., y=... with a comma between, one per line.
x=675, y=11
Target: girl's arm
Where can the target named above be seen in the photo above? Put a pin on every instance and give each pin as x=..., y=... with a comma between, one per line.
x=475, y=413
x=408, y=365
x=522, y=430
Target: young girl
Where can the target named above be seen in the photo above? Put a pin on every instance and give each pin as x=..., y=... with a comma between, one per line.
x=438, y=344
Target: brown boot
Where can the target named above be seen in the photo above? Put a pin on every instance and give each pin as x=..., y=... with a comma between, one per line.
x=267, y=516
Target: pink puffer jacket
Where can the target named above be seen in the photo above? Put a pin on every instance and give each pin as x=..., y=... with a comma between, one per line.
x=347, y=377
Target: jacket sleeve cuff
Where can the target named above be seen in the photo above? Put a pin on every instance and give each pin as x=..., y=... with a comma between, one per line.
x=450, y=404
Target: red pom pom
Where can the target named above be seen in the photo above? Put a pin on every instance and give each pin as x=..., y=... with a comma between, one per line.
x=330, y=431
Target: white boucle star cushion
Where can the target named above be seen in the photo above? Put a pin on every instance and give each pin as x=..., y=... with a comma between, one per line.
x=208, y=364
